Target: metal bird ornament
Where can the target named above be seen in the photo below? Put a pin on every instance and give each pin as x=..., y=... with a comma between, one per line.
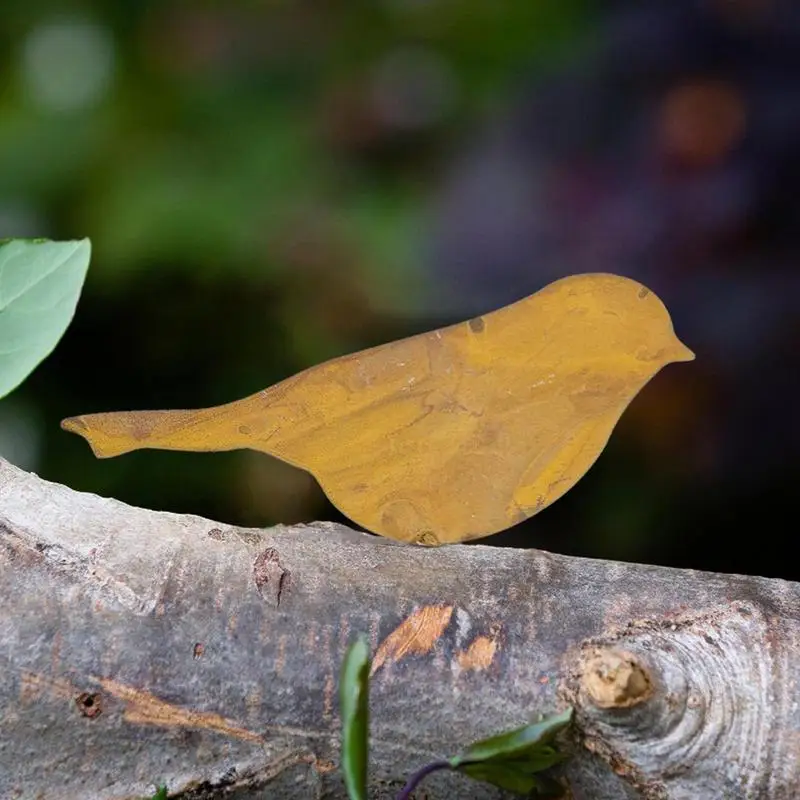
x=450, y=435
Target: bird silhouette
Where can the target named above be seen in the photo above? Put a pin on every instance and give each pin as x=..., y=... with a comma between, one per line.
x=450, y=435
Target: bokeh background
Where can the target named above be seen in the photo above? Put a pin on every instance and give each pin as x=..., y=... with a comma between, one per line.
x=267, y=185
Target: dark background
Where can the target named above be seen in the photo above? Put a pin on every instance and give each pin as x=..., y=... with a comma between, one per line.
x=267, y=185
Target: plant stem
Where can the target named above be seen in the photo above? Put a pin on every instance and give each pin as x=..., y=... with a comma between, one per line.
x=418, y=776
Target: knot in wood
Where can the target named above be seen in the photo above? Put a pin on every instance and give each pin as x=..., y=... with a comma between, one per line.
x=615, y=679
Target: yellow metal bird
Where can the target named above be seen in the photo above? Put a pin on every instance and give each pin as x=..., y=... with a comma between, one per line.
x=449, y=435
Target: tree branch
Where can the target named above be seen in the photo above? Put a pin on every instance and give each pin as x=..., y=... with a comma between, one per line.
x=141, y=647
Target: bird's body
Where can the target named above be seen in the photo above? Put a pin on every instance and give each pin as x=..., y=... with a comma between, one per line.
x=449, y=435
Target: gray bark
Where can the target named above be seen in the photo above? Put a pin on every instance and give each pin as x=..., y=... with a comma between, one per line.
x=140, y=647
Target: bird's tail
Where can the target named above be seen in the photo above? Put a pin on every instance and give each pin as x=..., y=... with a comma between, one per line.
x=114, y=433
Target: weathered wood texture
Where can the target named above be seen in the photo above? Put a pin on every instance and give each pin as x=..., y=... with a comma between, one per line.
x=138, y=647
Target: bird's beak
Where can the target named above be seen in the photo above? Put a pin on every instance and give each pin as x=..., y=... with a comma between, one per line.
x=680, y=352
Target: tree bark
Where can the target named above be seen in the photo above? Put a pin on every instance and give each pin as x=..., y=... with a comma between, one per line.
x=140, y=647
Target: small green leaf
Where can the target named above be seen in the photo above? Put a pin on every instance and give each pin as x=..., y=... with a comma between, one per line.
x=40, y=282
x=540, y=758
x=512, y=760
x=521, y=741
x=161, y=793
x=354, y=702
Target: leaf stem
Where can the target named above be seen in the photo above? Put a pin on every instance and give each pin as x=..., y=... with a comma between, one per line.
x=419, y=775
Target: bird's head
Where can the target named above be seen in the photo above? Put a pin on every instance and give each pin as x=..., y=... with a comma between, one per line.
x=612, y=314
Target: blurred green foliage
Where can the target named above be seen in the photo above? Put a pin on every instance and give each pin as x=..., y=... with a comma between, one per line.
x=243, y=137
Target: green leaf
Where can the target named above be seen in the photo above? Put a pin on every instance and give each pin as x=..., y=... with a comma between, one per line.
x=161, y=793
x=512, y=760
x=40, y=282
x=513, y=744
x=354, y=703
x=502, y=775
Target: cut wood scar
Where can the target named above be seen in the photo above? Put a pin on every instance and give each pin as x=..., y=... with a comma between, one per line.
x=479, y=655
x=415, y=635
x=146, y=709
